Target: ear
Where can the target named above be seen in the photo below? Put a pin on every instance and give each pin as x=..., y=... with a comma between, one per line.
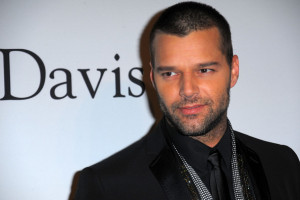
x=152, y=75
x=234, y=70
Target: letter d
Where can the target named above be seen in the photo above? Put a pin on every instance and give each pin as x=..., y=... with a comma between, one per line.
x=7, y=85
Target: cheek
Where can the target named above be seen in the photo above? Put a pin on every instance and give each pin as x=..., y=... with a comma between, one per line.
x=215, y=89
x=168, y=93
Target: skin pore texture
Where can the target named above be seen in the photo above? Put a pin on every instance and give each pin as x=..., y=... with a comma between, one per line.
x=193, y=80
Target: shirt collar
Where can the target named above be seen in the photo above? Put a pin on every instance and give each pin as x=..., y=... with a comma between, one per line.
x=195, y=152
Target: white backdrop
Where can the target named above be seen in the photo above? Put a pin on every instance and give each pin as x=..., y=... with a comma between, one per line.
x=44, y=142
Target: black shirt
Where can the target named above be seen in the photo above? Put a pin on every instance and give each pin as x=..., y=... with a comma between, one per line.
x=196, y=154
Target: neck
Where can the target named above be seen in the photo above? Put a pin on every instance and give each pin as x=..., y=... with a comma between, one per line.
x=213, y=137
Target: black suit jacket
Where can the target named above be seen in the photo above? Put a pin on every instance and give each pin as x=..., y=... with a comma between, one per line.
x=147, y=169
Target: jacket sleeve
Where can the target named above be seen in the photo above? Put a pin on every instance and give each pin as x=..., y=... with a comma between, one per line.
x=89, y=186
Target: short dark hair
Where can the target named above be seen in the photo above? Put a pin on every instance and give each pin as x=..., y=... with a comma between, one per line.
x=183, y=18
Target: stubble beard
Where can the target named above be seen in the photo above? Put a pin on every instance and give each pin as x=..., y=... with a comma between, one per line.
x=200, y=127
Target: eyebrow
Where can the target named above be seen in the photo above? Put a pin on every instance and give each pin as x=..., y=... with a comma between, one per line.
x=164, y=68
x=208, y=64
x=171, y=68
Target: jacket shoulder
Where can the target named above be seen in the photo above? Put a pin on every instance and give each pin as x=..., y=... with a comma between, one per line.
x=126, y=173
x=139, y=153
x=268, y=150
x=280, y=164
x=265, y=147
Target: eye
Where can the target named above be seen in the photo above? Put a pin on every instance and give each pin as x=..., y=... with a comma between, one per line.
x=168, y=74
x=205, y=70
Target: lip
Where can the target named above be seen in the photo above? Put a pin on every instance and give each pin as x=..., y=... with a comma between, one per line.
x=191, y=110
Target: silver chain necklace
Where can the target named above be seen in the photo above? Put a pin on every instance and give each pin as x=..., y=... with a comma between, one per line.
x=202, y=189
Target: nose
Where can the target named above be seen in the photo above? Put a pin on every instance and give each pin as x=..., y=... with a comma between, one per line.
x=188, y=87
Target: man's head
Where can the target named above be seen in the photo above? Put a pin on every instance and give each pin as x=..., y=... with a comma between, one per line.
x=191, y=69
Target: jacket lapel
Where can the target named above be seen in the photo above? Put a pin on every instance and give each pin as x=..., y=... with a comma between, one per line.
x=256, y=172
x=165, y=169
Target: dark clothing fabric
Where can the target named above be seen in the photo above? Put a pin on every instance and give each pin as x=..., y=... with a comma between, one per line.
x=197, y=153
x=148, y=170
x=218, y=186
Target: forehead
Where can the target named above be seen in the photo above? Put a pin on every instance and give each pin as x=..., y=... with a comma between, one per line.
x=201, y=44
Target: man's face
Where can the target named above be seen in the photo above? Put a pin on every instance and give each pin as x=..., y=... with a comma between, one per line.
x=193, y=79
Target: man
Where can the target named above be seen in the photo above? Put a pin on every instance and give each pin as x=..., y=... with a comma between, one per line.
x=193, y=153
